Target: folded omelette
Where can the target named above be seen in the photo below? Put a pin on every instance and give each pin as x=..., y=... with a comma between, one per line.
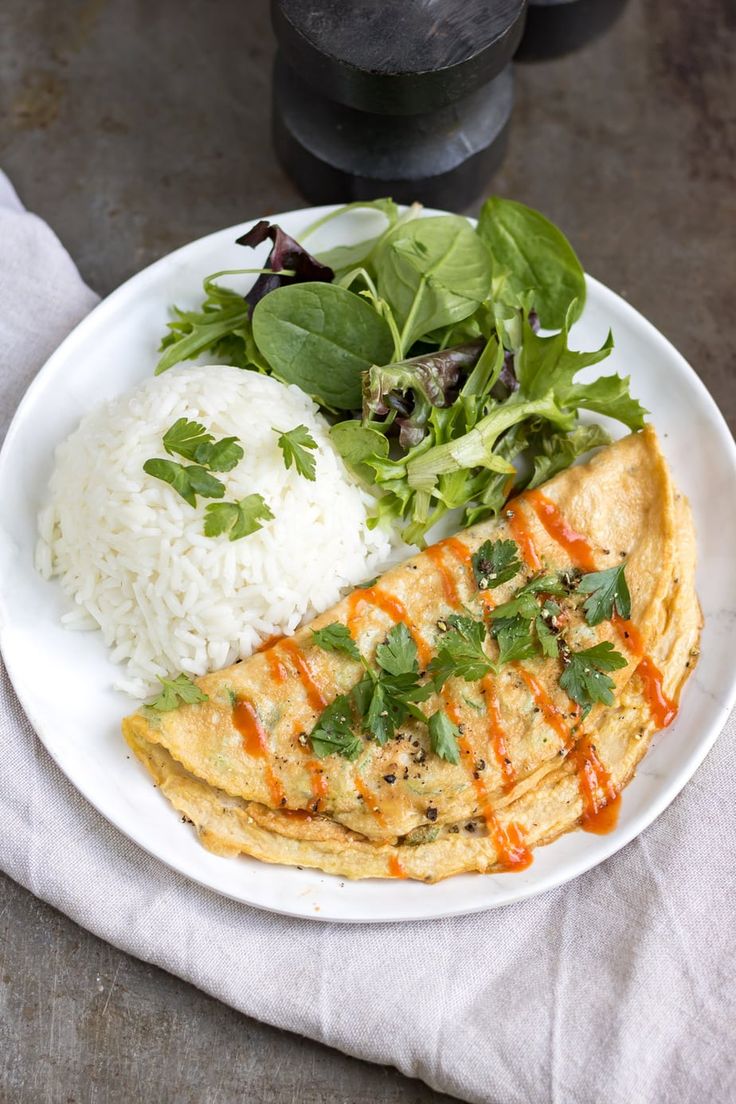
x=530, y=763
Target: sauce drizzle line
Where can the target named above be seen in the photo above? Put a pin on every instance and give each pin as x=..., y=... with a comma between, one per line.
x=497, y=733
x=601, y=801
x=449, y=585
x=395, y=868
x=394, y=608
x=511, y=852
x=522, y=535
x=315, y=696
x=369, y=799
x=255, y=744
x=574, y=543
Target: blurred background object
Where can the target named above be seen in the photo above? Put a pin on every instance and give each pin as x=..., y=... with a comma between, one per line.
x=407, y=97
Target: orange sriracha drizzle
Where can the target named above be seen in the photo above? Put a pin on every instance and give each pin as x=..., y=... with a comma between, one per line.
x=395, y=868
x=601, y=800
x=497, y=733
x=662, y=708
x=449, y=584
x=462, y=553
x=276, y=668
x=511, y=852
x=315, y=697
x=393, y=608
x=552, y=715
x=521, y=533
x=575, y=544
x=255, y=744
x=319, y=782
x=369, y=799
x=593, y=776
x=269, y=642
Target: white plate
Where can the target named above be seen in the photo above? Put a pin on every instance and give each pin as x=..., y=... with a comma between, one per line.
x=62, y=678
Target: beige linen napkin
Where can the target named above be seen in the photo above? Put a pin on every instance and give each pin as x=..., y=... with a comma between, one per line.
x=616, y=988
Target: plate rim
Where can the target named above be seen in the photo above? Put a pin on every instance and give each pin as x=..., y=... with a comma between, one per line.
x=655, y=806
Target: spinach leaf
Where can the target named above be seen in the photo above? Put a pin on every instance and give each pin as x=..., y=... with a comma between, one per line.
x=342, y=258
x=432, y=272
x=356, y=443
x=531, y=254
x=321, y=338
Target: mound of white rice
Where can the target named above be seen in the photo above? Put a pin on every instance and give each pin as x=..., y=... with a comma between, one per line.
x=132, y=554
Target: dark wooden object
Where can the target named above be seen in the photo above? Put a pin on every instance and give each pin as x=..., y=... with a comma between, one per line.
x=410, y=98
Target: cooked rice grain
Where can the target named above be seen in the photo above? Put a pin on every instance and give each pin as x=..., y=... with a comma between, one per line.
x=132, y=554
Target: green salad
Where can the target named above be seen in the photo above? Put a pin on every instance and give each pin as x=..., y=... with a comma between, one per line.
x=438, y=351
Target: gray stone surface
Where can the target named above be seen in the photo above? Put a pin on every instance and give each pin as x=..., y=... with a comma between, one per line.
x=135, y=127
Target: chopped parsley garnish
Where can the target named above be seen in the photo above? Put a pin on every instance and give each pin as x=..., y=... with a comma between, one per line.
x=525, y=627
x=336, y=638
x=294, y=445
x=584, y=678
x=183, y=438
x=221, y=456
x=443, y=734
x=383, y=699
x=237, y=519
x=180, y=690
x=396, y=686
x=515, y=639
x=188, y=481
x=398, y=655
x=461, y=654
x=192, y=441
x=333, y=732
x=524, y=603
x=546, y=637
x=495, y=562
x=607, y=589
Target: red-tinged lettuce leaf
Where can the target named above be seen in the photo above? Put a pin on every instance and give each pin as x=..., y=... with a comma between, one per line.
x=286, y=253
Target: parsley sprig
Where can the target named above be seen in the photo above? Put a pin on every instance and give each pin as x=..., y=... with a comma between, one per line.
x=526, y=626
x=585, y=677
x=607, y=590
x=443, y=734
x=177, y=691
x=191, y=441
x=337, y=638
x=495, y=562
x=237, y=519
x=461, y=653
x=384, y=699
x=188, y=481
x=295, y=445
